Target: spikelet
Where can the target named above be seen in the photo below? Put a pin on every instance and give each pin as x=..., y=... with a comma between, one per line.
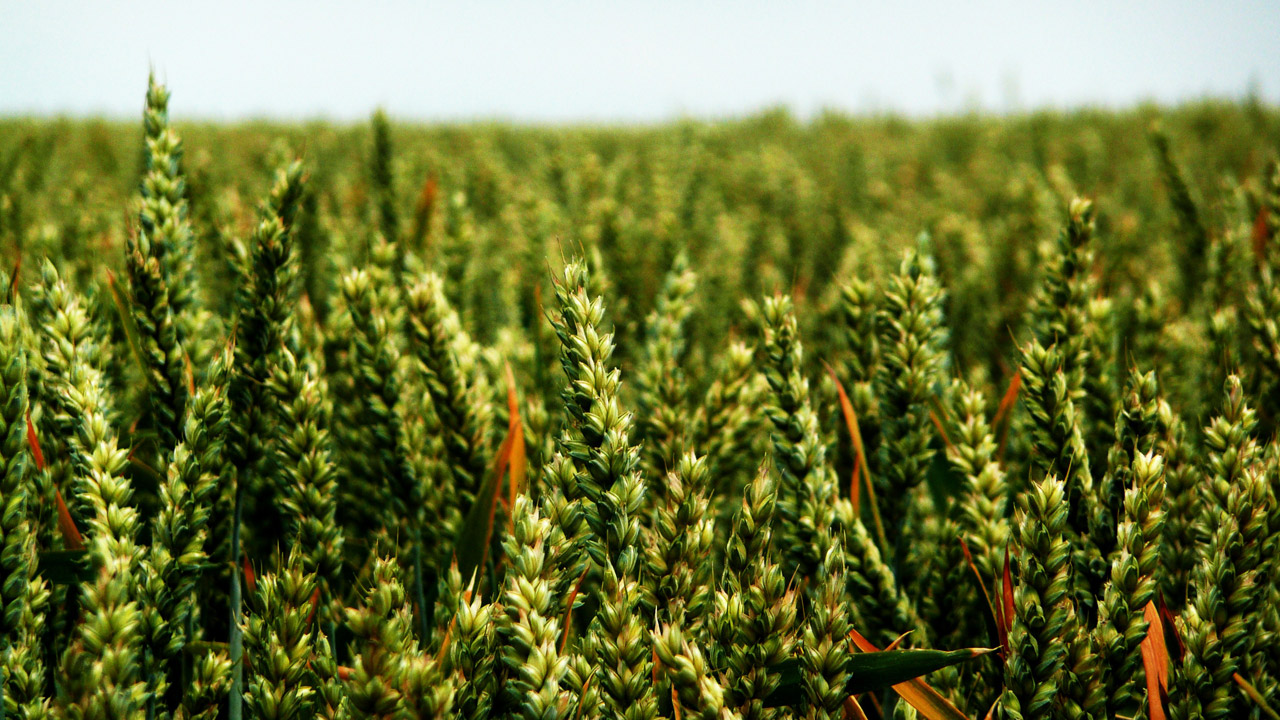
x=1179, y=550
x=383, y=629
x=754, y=621
x=309, y=492
x=661, y=386
x=1059, y=446
x=529, y=628
x=436, y=340
x=726, y=419
x=263, y=320
x=909, y=324
x=698, y=691
x=597, y=438
x=1136, y=433
x=159, y=259
x=1195, y=238
x=172, y=565
x=1121, y=626
x=376, y=360
x=1044, y=619
x=472, y=649
x=164, y=204
x=1221, y=623
x=825, y=649
x=806, y=490
x=102, y=664
x=606, y=469
x=278, y=641
x=210, y=681
x=380, y=173
x=982, y=514
x=1063, y=316
x=678, y=549
x=262, y=303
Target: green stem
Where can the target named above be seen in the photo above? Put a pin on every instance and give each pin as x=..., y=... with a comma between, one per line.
x=4, y=678
x=236, y=639
x=423, y=628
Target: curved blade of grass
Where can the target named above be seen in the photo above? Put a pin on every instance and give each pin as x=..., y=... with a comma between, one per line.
x=1005, y=412
x=915, y=691
x=1006, y=609
x=871, y=670
x=1260, y=235
x=991, y=608
x=126, y=322
x=855, y=435
x=1254, y=695
x=568, y=612
x=471, y=547
x=34, y=443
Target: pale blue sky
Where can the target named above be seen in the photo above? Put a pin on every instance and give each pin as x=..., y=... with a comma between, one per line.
x=626, y=61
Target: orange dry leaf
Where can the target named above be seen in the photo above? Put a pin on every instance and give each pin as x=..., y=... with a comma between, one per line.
x=517, y=461
x=1005, y=410
x=1155, y=661
x=852, y=710
x=1006, y=612
x=568, y=612
x=66, y=525
x=250, y=579
x=34, y=443
x=1260, y=235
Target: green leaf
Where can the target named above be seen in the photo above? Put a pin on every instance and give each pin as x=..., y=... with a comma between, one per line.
x=471, y=547
x=65, y=567
x=871, y=672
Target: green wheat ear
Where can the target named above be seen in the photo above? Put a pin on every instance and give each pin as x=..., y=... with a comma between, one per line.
x=278, y=632
x=450, y=374
x=606, y=467
x=23, y=592
x=309, y=493
x=1219, y=625
x=754, y=620
x=825, y=650
x=173, y=565
x=102, y=664
x=910, y=334
x=384, y=637
x=1044, y=616
x=662, y=389
x=529, y=630
x=806, y=490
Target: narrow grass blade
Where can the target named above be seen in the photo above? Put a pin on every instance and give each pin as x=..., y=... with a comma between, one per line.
x=914, y=690
x=855, y=435
x=991, y=608
x=1254, y=695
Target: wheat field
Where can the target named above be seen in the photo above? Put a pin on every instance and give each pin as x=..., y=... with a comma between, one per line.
x=856, y=417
